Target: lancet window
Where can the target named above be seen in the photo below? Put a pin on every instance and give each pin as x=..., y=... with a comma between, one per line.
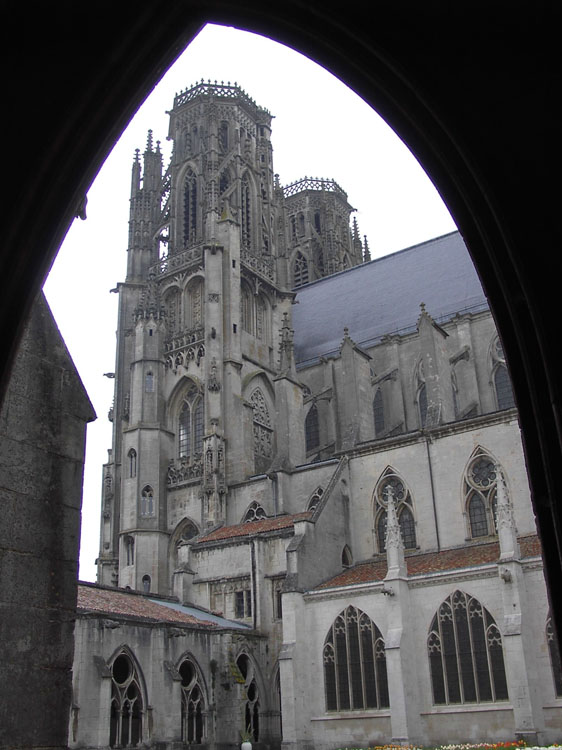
x=252, y=699
x=246, y=213
x=300, y=271
x=312, y=429
x=391, y=482
x=191, y=425
x=263, y=432
x=189, y=209
x=480, y=490
x=378, y=412
x=355, y=663
x=126, y=703
x=500, y=376
x=193, y=715
x=465, y=653
x=555, y=660
x=132, y=456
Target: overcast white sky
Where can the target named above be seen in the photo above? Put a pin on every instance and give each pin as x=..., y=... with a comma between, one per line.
x=321, y=129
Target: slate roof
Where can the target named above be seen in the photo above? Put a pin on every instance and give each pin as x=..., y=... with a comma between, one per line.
x=383, y=297
x=252, y=528
x=432, y=562
x=96, y=599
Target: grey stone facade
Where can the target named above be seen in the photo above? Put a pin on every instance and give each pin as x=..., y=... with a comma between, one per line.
x=308, y=442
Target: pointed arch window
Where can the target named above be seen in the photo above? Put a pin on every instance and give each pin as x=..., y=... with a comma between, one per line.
x=300, y=271
x=132, y=456
x=465, y=653
x=404, y=509
x=504, y=391
x=147, y=501
x=480, y=490
x=191, y=423
x=263, y=432
x=555, y=660
x=190, y=209
x=246, y=213
x=378, y=413
x=126, y=703
x=254, y=513
x=194, y=305
x=354, y=659
x=193, y=714
x=252, y=698
x=247, y=309
x=312, y=429
x=315, y=498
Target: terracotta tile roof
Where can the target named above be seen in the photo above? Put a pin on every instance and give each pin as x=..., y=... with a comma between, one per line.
x=251, y=528
x=432, y=562
x=93, y=598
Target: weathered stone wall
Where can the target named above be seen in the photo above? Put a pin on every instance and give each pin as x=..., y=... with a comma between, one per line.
x=42, y=439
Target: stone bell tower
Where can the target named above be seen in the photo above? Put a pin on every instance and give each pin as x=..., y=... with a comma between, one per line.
x=200, y=314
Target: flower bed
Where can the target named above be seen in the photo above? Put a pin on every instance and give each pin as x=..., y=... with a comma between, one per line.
x=519, y=745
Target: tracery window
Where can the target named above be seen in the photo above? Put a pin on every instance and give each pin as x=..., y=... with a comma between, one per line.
x=465, y=653
x=263, y=432
x=147, y=501
x=254, y=513
x=189, y=208
x=125, y=728
x=312, y=429
x=355, y=663
x=315, y=499
x=480, y=490
x=378, y=412
x=555, y=661
x=390, y=480
x=300, y=271
x=192, y=704
x=191, y=424
x=251, y=693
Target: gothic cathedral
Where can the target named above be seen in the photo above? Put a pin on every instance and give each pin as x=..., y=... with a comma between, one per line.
x=316, y=525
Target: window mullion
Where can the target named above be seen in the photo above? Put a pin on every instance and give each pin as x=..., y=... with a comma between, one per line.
x=443, y=665
x=473, y=652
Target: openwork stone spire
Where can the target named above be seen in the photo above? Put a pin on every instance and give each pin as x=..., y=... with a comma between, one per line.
x=394, y=543
x=505, y=521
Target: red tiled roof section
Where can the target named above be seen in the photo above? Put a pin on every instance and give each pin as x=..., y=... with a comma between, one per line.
x=251, y=528
x=432, y=562
x=104, y=601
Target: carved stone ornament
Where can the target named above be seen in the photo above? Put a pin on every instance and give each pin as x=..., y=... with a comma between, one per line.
x=213, y=382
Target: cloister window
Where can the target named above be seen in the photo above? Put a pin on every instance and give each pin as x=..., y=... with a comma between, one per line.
x=189, y=208
x=126, y=703
x=404, y=508
x=555, y=661
x=355, y=663
x=480, y=483
x=191, y=422
x=378, y=412
x=192, y=704
x=312, y=429
x=300, y=271
x=251, y=693
x=147, y=501
x=465, y=653
x=263, y=432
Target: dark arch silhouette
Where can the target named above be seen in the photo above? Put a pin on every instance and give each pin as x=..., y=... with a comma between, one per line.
x=470, y=91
